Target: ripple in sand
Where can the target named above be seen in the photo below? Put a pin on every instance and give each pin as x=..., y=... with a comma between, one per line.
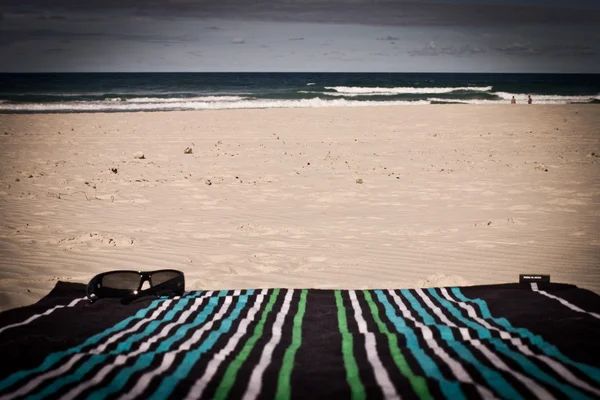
x=45, y=213
x=442, y=280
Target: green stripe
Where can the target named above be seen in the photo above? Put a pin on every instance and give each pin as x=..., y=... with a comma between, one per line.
x=418, y=383
x=356, y=386
x=229, y=378
x=284, y=391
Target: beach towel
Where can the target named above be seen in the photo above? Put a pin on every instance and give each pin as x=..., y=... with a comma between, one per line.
x=511, y=341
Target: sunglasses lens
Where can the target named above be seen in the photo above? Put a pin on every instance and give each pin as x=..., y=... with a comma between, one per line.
x=164, y=276
x=121, y=280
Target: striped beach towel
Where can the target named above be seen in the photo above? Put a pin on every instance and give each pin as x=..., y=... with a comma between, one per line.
x=513, y=341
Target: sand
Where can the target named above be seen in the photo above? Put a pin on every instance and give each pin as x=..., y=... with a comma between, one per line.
x=389, y=197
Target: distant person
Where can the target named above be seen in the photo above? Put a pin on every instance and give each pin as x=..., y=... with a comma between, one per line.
x=513, y=101
x=529, y=101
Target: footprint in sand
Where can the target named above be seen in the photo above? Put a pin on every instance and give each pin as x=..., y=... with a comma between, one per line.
x=498, y=222
x=97, y=240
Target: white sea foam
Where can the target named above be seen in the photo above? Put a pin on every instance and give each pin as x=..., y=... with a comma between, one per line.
x=175, y=99
x=334, y=94
x=368, y=91
x=83, y=106
x=310, y=84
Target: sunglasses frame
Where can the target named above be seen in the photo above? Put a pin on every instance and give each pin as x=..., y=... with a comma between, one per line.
x=144, y=276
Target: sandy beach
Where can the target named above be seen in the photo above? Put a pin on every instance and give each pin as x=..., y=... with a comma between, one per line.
x=386, y=197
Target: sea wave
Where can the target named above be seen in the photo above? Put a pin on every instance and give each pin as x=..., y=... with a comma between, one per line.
x=86, y=106
x=174, y=99
x=369, y=91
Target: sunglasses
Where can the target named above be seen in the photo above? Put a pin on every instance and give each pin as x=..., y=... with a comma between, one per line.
x=127, y=285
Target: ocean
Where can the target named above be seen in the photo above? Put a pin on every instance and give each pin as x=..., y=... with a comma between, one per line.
x=130, y=92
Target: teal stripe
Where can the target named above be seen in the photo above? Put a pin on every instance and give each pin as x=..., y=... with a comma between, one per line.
x=451, y=389
x=494, y=379
x=537, y=340
x=95, y=359
x=144, y=360
x=192, y=356
x=526, y=365
x=54, y=358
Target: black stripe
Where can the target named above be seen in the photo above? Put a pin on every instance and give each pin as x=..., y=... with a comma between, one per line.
x=319, y=368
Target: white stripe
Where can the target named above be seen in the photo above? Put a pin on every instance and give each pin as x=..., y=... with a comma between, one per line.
x=254, y=386
x=539, y=391
x=121, y=359
x=169, y=357
x=564, y=302
x=457, y=369
x=523, y=348
x=381, y=375
x=196, y=391
x=36, y=316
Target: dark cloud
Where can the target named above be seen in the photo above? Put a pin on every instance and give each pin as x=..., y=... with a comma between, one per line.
x=299, y=38
x=25, y=35
x=382, y=12
x=555, y=50
x=388, y=38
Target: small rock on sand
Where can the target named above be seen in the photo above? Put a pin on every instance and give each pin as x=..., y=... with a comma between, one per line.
x=139, y=155
x=188, y=150
x=359, y=181
x=541, y=167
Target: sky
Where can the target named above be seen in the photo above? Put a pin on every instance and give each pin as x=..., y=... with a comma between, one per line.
x=548, y=36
